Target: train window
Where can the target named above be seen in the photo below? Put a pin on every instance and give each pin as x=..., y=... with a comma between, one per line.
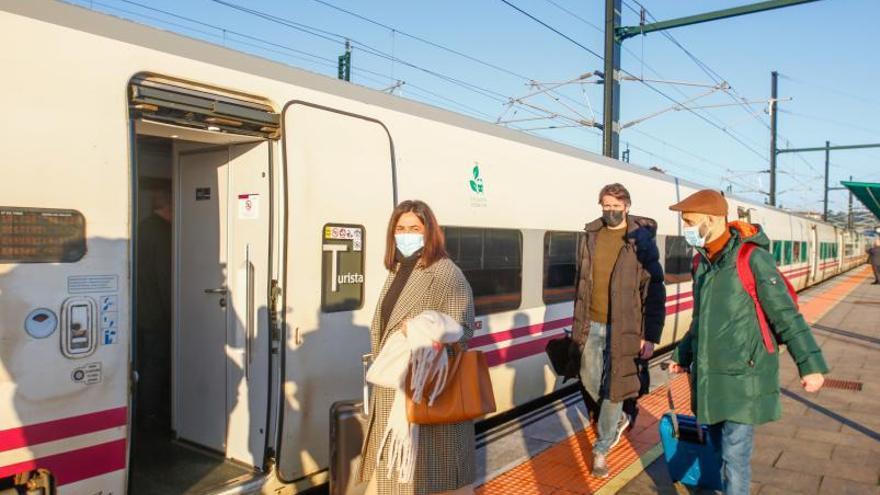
x=803, y=251
x=560, y=265
x=796, y=251
x=679, y=260
x=491, y=259
x=787, y=252
x=777, y=252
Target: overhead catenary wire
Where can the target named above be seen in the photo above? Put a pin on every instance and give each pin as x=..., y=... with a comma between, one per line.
x=312, y=58
x=367, y=49
x=397, y=31
x=287, y=51
x=715, y=76
x=648, y=85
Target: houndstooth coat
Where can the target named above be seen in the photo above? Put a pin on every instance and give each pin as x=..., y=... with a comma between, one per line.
x=446, y=453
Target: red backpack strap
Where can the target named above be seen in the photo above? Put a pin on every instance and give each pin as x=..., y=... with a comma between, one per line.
x=747, y=278
x=696, y=263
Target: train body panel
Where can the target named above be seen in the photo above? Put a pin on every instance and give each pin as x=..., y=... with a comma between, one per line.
x=296, y=312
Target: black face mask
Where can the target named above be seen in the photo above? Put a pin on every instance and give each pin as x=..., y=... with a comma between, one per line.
x=612, y=218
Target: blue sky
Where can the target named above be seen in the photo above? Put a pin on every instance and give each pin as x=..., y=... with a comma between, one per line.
x=824, y=51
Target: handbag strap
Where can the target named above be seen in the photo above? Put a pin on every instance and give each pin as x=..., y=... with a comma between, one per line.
x=458, y=351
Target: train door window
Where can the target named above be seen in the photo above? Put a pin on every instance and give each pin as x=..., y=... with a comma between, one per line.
x=803, y=256
x=777, y=252
x=787, y=252
x=491, y=259
x=560, y=265
x=679, y=259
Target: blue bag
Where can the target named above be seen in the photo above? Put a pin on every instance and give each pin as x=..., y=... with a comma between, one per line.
x=692, y=451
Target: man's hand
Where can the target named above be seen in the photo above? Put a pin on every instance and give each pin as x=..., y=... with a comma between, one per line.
x=812, y=382
x=647, y=350
x=677, y=368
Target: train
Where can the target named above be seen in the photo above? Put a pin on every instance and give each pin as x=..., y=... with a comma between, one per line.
x=278, y=186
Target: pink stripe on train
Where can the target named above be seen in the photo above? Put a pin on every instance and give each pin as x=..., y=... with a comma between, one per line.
x=58, y=429
x=76, y=465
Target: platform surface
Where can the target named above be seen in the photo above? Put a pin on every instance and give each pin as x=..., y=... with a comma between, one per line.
x=825, y=443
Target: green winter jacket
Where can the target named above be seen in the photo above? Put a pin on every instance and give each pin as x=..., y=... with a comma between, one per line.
x=734, y=377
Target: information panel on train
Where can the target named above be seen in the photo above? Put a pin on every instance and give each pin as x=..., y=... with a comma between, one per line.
x=342, y=267
x=41, y=235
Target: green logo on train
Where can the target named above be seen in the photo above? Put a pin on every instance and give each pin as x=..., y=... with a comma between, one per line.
x=477, y=181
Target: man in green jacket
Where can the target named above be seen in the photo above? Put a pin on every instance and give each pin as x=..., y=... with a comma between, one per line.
x=735, y=378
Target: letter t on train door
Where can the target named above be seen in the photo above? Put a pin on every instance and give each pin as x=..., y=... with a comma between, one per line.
x=339, y=192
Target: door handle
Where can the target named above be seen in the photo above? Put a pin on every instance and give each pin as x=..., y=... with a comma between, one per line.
x=218, y=290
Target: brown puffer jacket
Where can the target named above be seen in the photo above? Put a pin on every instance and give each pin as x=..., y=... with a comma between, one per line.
x=637, y=297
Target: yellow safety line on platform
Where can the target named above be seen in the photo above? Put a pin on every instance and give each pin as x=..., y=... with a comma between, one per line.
x=617, y=483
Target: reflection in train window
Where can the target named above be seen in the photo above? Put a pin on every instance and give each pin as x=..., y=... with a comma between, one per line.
x=796, y=251
x=560, y=265
x=491, y=259
x=679, y=260
x=786, y=251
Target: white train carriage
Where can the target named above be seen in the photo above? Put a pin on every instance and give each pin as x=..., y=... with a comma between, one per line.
x=282, y=182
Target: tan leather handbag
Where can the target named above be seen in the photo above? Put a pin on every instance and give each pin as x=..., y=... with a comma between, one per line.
x=468, y=393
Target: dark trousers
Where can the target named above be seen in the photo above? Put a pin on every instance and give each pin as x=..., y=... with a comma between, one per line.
x=876, y=267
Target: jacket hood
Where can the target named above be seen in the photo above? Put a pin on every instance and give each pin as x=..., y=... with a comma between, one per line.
x=748, y=232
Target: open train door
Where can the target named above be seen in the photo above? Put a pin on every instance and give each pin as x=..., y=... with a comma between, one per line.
x=339, y=192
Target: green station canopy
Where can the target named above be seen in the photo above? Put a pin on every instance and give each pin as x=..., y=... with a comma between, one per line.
x=868, y=193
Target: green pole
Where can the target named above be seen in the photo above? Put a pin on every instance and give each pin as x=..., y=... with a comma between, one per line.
x=623, y=33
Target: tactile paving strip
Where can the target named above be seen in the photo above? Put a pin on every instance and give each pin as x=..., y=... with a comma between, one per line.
x=565, y=467
x=843, y=384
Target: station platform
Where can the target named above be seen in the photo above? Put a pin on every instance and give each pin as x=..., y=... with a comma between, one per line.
x=825, y=443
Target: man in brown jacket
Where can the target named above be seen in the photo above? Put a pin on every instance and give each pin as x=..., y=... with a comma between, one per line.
x=619, y=311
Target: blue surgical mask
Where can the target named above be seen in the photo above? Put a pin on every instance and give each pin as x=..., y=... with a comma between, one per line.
x=692, y=236
x=408, y=244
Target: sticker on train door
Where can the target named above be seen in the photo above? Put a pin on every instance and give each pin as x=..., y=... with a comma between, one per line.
x=342, y=267
x=248, y=206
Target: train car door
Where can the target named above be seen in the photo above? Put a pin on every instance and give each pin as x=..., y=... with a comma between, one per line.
x=339, y=193
x=213, y=151
x=222, y=251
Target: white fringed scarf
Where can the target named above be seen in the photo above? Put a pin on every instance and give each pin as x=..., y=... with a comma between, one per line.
x=415, y=351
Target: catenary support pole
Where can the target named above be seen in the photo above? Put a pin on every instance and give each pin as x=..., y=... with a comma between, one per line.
x=611, y=113
x=774, y=76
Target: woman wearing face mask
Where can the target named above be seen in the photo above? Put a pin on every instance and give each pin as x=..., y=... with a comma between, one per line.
x=421, y=277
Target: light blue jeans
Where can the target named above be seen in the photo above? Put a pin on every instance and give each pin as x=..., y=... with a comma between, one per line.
x=736, y=456
x=595, y=367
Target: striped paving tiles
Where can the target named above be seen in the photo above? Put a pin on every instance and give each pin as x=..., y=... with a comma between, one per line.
x=565, y=467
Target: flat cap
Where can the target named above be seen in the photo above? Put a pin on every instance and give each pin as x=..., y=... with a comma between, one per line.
x=706, y=201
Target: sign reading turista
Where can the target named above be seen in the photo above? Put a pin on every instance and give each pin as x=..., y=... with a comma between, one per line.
x=342, y=267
